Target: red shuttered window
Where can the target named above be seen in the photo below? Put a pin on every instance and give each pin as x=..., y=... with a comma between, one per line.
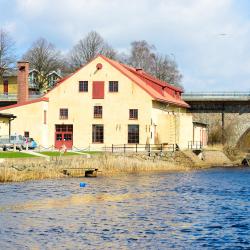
x=98, y=90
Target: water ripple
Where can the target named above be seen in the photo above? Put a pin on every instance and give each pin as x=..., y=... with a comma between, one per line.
x=193, y=210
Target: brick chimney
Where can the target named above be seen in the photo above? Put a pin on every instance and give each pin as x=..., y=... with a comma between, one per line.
x=22, y=81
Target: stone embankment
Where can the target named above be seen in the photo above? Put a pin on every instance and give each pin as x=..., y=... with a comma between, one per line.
x=109, y=164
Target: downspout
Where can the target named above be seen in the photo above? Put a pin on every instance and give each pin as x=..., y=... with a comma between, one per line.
x=9, y=127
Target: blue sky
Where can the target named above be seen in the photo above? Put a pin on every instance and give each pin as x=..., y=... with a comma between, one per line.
x=209, y=39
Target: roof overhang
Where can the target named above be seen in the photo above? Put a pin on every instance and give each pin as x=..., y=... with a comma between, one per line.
x=9, y=116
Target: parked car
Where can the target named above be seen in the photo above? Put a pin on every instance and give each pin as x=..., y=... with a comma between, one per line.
x=18, y=141
x=31, y=143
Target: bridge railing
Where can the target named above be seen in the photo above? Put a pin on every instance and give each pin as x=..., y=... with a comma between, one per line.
x=218, y=93
x=8, y=97
x=217, y=96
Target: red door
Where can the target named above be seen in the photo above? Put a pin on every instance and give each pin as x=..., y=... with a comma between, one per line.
x=64, y=136
x=98, y=90
x=5, y=87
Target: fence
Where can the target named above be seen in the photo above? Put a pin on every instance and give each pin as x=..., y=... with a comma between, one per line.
x=195, y=145
x=137, y=148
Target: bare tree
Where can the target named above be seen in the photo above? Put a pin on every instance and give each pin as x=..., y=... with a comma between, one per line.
x=7, y=56
x=45, y=58
x=143, y=55
x=88, y=48
x=166, y=70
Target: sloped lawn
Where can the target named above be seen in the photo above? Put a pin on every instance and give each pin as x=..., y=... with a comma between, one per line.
x=55, y=153
x=15, y=155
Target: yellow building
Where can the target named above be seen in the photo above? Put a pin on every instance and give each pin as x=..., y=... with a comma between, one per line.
x=9, y=86
x=5, y=124
x=8, y=83
x=101, y=104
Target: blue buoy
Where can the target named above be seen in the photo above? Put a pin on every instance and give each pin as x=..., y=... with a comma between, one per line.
x=82, y=184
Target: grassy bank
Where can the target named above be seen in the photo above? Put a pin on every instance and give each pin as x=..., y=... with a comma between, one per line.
x=37, y=168
x=15, y=155
x=56, y=153
x=108, y=164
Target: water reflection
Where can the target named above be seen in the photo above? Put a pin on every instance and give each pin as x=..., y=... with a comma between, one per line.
x=191, y=210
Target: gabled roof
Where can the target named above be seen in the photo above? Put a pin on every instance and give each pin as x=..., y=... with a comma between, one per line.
x=56, y=73
x=146, y=81
x=143, y=79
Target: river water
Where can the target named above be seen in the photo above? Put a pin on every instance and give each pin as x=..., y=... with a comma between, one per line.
x=207, y=209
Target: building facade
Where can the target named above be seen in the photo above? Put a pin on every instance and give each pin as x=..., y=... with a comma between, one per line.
x=5, y=124
x=9, y=85
x=104, y=103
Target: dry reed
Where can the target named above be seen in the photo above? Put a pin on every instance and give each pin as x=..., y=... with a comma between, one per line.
x=107, y=164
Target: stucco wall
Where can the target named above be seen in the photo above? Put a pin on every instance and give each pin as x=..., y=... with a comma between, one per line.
x=154, y=118
x=115, y=107
x=185, y=130
x=4, y=126
x=29, y=118
x=12, y=85
x=200, y=134
x=173, y=125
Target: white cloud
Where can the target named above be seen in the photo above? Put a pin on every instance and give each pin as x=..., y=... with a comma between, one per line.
x=190, y=29
x=9, y=26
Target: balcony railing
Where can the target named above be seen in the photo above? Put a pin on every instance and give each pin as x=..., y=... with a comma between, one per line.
x=33, y=85
x=13, y=97
x=8, y=97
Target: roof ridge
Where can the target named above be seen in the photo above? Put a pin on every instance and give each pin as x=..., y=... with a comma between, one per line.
x=146, y=75
x=127, y=70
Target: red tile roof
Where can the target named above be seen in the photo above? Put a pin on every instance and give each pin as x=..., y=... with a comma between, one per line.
x=159, y=90
x=25, y=103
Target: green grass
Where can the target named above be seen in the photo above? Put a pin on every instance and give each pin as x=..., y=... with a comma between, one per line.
x=15, y=155
x=48, y=153
x=56, y=153
x=91, y=152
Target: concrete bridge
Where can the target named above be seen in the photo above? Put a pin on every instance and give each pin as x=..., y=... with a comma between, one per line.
x=226, y=113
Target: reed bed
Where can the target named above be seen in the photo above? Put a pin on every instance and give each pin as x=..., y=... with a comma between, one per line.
x=123, y=164
x=107, y=164
x=9, y=174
